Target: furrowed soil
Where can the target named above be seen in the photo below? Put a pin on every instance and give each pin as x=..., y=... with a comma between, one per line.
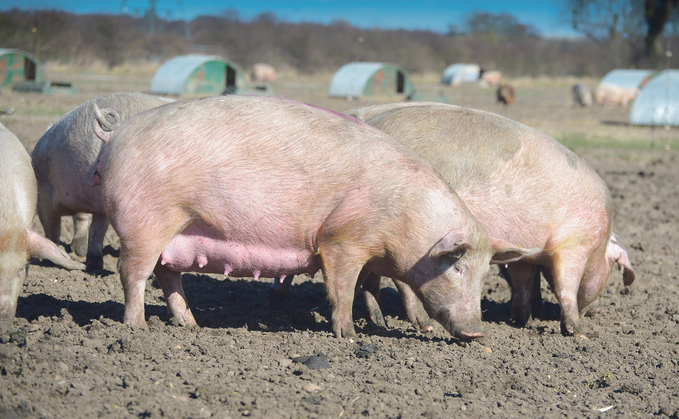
x=69, y=355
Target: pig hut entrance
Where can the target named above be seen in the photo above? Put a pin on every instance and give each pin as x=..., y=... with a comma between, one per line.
x=400, y=82
x=29, y=70
x=230, y=79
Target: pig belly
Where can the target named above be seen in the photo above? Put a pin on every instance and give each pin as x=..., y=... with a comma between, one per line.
x=198, y=249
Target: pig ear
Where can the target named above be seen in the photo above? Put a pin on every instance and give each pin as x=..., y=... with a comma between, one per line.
x=506, y=252
x=45, y=249
x=453, y=245
x=616, y=252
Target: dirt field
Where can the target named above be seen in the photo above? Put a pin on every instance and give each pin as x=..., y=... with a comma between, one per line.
x=70, y=356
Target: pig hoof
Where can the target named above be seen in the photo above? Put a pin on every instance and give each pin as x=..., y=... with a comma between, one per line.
x=94, y=264
x=569, y=329
x=377, y=318
x=79, y=247
x=426, y=326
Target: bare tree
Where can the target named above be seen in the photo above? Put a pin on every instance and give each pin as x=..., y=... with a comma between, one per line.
x=607, y=20
x=658, y=13
x=639, y=22
x=498, y=27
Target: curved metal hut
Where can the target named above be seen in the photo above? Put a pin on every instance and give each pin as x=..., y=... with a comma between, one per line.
x=658, y=101
x=357, y=79
x=18, y=66
x=197, y=74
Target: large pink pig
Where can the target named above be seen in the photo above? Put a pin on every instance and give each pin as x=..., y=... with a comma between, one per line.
x=18, y=198
x=523, y=187
x=250, y=186
x=64, y=161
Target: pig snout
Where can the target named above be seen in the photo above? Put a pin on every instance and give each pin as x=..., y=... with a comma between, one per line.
x=462, y=326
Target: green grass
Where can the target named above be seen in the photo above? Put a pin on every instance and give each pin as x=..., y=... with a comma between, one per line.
x=576, y=141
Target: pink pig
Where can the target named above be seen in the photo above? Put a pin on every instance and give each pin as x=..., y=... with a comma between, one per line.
x=523, y=187
x=18, y=197
x=250, y=186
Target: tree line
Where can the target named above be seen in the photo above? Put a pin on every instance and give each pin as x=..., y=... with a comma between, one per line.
x=495, y=42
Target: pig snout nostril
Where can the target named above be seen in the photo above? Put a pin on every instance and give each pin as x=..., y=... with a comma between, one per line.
x=470, y=334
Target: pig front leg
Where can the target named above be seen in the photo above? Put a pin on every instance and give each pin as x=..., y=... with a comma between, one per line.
x=95, y=252
x=341, y=273
x=371, y=295
x=81, y=223
x=414, y=309
x=171, y=284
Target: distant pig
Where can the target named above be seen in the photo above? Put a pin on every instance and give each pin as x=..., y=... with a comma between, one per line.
x=582, y=96
x=18, y=198
x=608, y=94
x=64, y=161
x=505, y=94
x=523, y=187
x=262, y=186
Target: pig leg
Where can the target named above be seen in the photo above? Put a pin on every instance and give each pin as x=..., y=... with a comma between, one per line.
x=524, y=279
x=594, y=308
x=279, y=289
x=135, y=265
x=341, y=276
x=414, y=308
x=567, y=272
x=95, y=253
x=171, y=284
x=371, y=295
x=49, y=217
x=81, y=222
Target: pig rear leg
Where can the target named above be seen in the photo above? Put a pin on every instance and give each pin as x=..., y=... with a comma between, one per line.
x=81, y=223
x=95, y=245
x=565, y=278
x=135, y=267
x=177, y=306
x=524, y=280
x=49, y=217
x=414, y=308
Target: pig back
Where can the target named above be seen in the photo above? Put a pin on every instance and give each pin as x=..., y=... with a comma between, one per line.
x=252, y=161
x=519, y=182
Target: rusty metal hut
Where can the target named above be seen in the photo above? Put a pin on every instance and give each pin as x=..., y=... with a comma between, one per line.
x=357, y=79
x=17, y=66
x=198, y=74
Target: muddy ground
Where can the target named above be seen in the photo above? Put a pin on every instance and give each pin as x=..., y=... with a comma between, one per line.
x=69, y=355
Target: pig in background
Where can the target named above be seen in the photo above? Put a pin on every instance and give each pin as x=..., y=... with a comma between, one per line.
x=524, y=187
x=582, y=96
x=250, y=186
x=505, y=94
x=608, y=94
x=18, y=197
x=64, y=161
x=263, y=73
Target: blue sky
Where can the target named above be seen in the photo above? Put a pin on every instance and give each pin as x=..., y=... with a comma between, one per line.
x=434, y=15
